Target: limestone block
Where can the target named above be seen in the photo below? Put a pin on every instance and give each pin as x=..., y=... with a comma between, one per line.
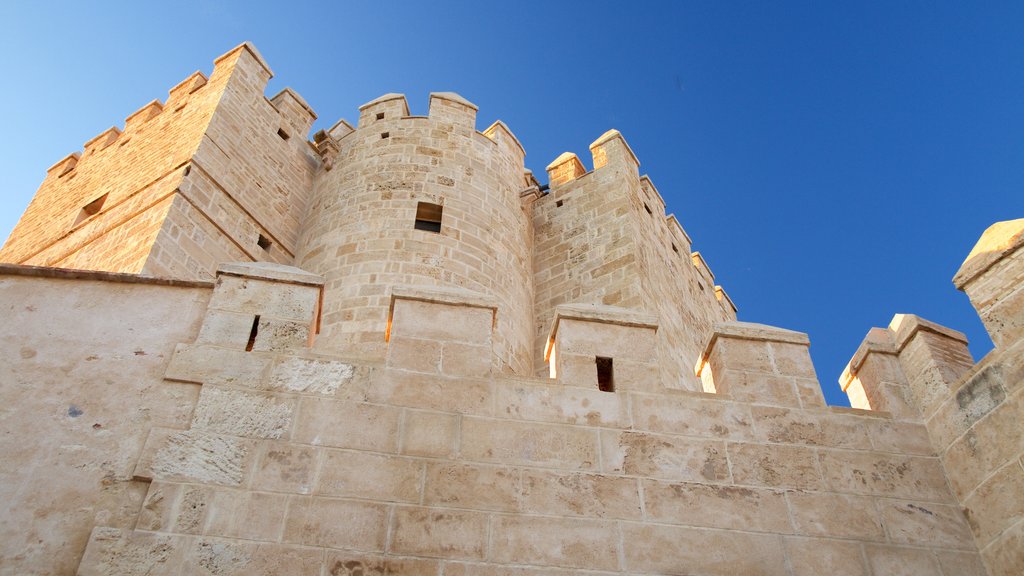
x=884, y=475
x=957, y=562
x=216, y=365
x=117, y=552
x=370, y=476
x=986, y=447
x=402, y=388
x=933, y=357
x=310, y=375
x=342, y=424
x=1003, y=557
x=218, y=557
x=459, y=359
x=816, y=556
x=472, y=486
x=611, y=148
x=835, y=515
x=441, y=315
x=692, y=415
x=415, y=354
x=997, y=503
x=572, y=543
x=275, y=335
x=926, y=524
x=241, y=413
x=356, y=564
x=546, y=401
x=430, y=434
x=246, y=295
x=579, y=494
x=899, y=437
x=227, y=329
x=528, y=443
x=313, y=521
x=246, y=515
x=195, y=456
x=991, y=276
x=652, y=548
x=900, y=561
x=788, y=426
x=285, y=467
x=715, y=506
x=874, y=379
x=439, y=533
x=774, y=466
x=664, y=457
x=982, y=393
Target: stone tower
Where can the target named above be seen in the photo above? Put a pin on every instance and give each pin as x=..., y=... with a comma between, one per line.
x=229, y=349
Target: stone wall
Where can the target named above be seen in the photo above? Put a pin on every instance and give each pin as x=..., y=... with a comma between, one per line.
x=82, y=359
x=297, y=461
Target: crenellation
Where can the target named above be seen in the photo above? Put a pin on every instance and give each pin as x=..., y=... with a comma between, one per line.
x=405, y=330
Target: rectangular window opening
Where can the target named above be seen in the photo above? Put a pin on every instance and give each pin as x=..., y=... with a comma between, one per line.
x=674, y=249
x=559, y=204
x=648, y=208
x=264, y=242
x=385, y=135
x=428, y=217
x=284, y=135
x=605, y=375
x=252, y=333
x=90, y=209
x=380, y=115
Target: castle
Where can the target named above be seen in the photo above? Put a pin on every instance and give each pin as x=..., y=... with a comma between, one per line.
x=390, y=350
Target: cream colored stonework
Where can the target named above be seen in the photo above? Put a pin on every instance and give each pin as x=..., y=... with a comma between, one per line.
x=290, y=377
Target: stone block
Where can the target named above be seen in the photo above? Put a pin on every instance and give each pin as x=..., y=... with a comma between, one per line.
x=716, y=506
x=333, y=523
x=356, y=564
x=461, y=318
x=571, y=543
x=438, y=533
x=226, y=329
x=195, y=456
x=546, y=401
x=898, y=561
x=241, y=413
x=460, y=359
x=757, y=387
x=774, y=466
x=343, y=424
x=370, y=476
x=898, y=436
x=961, y=563
x=216, y=365
x=117, y=552
x=217, y=557
x=835, y=516
x=884, y=475
x=996, y=504
x=692, y=415
x=431, y=434
x=428, y=392
x=579, y=494
x=925, y=524
x=817, y=556
x=477, y=487
x=286, y=467
x=277, y=299
x=652, y=548
x=674, y=458
x=276, y=335
x=528, y=443
x=1002, y=557
x=309, y=375
x=789, y=426
x=415, y=354
x=246, y=515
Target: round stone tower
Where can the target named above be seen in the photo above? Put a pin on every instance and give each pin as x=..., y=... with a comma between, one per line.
x=420, y=201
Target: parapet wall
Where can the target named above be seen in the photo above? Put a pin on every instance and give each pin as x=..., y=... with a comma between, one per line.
x=362, y=234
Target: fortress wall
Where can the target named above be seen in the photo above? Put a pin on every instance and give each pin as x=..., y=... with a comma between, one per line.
x=248, y=181
x=440, y=465
x=360, y=232
x=82, y=357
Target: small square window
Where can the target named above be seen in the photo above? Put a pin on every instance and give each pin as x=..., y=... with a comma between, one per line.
x=380, y=115
x=90, y=209
x=428, y=217
x=264, y=242
x=385, y=135
x=559, y=203
x=284, y=135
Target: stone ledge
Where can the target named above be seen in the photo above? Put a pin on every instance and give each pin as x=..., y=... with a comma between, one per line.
x=906, y=326
x=272, y=272
x=748, y=331
x=611, y=135
x=385, y=98
x=600, y=314
x=877, y=341
x=73, y=274
x=442, y=295
x=453, y=97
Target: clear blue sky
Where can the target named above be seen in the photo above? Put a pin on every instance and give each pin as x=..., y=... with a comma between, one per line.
x=834, y=162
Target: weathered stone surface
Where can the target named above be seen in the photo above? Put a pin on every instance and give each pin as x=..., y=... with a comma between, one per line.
x=583, y=544
x=370, y=476
x=315, y=522
x=242, y=413
x=664, y=457
x=292, y=374
x=715, y=506
x=201, y=457
x=439, y=533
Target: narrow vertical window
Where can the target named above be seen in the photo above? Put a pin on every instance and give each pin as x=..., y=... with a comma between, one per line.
x=605, y=375
x=252, y=333
x=428, y=217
